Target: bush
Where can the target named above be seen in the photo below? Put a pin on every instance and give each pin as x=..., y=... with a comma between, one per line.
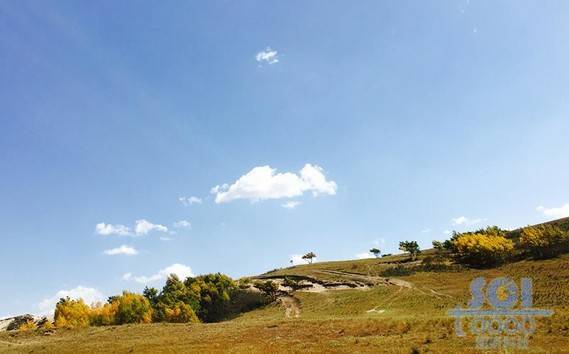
x=71, y=313
x=27, y=326
x=544, y=241
x=480, y=249
x=132, y=308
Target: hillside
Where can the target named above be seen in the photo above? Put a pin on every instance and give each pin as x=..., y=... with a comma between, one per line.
x=371, y=305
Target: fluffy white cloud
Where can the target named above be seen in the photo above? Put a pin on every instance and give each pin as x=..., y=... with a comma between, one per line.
x=291, y=204
x=555, y=213
x=108, y=229
x=183, y=224
x=463, y=220
x=296, y=259
x=187, y=201
x=124, y=249
x=142, y=227
x=364, y=255
x=268, y=56
x=182, y=271
x=264, y=183
x=89, y=295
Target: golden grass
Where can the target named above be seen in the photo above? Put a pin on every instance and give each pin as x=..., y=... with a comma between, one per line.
x=334, y=321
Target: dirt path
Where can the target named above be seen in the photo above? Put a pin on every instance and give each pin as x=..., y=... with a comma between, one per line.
x=291, y=305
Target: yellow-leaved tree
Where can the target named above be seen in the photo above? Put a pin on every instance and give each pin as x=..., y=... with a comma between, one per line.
x=479, y=249
x=71, y=313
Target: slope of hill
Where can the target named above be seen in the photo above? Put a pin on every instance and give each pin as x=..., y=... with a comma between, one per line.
x=391, y=306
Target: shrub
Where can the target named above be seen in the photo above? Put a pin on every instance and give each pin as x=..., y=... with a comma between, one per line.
x=479, y=249
x=269, y=288
x=71, y=313
x=132, y=308
x=544, y=241
x=28, y=326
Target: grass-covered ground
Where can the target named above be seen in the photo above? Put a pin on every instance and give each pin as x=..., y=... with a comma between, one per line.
x=383, y=318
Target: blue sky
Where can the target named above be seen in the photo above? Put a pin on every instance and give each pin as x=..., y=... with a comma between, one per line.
x=372, y=121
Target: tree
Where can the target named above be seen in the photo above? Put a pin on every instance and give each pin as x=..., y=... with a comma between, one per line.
x=480, y=249
x=71, y=313
x=213, y=292
x=375, y=252
x=309, y=256
x=412, y=247
x=132, y=308
x=438, y=245
x=544, y=241
x=151, y=294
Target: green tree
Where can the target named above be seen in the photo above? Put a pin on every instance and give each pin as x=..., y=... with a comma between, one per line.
x=411, y=247
x=214, y=292
x=375, y=251
x=309, y=257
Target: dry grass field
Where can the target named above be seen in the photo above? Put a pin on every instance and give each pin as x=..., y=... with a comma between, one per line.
x=389, y=318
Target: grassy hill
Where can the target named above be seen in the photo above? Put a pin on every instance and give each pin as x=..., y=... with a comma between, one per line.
x=382, y=315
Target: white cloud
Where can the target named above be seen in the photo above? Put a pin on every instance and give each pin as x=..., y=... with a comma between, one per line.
x=447, y=232
x=144, y=226
x=108, y=229
x=291, y=204
x=426, y=230
x=364, y=255
x=187, y=201
x=124, y=249
x=268, y=56
x=163, y=238
x=89, y=296
x=463, y=220
x=183, y=224
x=182, y=271
x=297, y=259
x=264, y=183
x=555, y=213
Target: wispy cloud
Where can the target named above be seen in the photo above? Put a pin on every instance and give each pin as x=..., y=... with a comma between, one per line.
x=291, y=204
x=109, y=229
x=183, y=224
x=264, y=183
x=182, y=271
x=122, y=250
x=555, y=213
x=187, y=201
x=463, y=220
x=268, y=56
